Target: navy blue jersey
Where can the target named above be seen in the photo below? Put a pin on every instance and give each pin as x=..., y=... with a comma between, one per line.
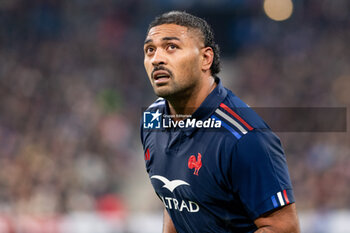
x=217, y=178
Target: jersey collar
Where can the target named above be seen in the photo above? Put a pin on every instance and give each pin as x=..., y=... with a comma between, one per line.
x=209, y=105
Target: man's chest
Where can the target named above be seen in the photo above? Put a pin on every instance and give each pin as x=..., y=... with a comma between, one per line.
x=186, y=172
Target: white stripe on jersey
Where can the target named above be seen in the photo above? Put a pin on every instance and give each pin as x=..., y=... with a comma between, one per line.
x=231, y=120
x=280, y=198
x=157, y=104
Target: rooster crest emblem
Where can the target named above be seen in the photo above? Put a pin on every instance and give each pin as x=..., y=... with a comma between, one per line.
x=195, y=163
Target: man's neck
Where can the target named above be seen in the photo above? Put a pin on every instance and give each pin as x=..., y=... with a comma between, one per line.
x=186, y=105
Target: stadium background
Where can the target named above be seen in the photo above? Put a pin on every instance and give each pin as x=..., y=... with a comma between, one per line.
x=72, y=86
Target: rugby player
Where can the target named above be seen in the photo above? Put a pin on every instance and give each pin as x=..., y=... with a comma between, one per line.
x=232, y=177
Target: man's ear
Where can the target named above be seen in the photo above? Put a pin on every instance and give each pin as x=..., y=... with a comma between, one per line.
x=207, y=58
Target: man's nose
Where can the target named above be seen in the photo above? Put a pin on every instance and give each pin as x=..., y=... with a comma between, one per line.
x=158, y=58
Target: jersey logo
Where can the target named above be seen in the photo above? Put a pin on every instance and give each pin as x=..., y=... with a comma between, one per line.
x=170, y=185
x=195, y=163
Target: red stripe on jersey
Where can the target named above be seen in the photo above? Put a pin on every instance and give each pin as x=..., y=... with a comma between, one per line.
x=147, y=154
x=285, y=196
x=235, y=115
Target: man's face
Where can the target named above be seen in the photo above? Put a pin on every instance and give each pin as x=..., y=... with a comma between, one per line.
x=172, y=59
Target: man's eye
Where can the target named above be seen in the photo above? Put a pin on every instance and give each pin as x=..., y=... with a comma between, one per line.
x=149, y=50
x=172, y=46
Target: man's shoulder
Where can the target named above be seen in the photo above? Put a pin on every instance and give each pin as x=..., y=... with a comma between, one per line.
x=158, y=104
x=153, y=111
x=151, y=118
x=254, y=131
x=242, y=112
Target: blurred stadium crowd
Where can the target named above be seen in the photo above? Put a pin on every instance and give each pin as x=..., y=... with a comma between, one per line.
x=72, y=88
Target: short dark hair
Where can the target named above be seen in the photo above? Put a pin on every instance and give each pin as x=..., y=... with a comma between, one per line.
x=190, y=21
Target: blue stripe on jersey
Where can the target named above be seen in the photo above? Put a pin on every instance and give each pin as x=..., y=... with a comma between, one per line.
x=237, y=135
x=274, y=201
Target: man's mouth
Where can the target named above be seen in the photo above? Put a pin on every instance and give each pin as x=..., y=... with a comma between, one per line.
x=160, y=76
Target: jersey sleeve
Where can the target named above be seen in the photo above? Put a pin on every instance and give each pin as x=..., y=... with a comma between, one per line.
x=260, y=173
